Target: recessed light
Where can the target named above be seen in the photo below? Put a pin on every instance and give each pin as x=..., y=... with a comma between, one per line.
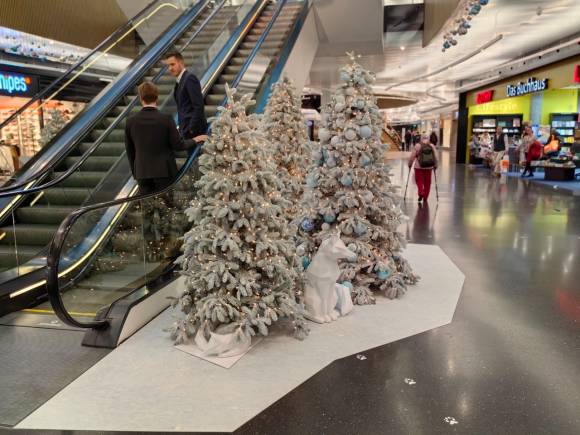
x=402, y=48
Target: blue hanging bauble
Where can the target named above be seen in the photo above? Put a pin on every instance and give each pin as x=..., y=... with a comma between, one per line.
x=307, y=225
x=483, y=2
x=383, y=274
x=462, y=31
x=346, y=180
x=446, y=45
x=347, y=284
x=331, y=162
x=365, y=131
x=311, y=180
x=329, y=218
x=360, y=229
x=364, y=160
x=344, y=76
x=325, y=154
x=350, y=134
x=305, y=262
x=360, y=103
x=335, y=140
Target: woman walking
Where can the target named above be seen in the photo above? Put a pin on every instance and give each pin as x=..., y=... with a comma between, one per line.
x=424, y=159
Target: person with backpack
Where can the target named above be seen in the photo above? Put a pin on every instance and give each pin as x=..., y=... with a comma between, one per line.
x=424, y=158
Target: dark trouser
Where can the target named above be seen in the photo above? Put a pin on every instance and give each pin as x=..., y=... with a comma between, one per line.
x=150, y=185
x=528, y=168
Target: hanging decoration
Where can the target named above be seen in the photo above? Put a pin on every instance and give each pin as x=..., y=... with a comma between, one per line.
x=461, y=24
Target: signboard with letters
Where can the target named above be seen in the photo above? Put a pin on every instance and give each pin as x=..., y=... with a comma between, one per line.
x=18, y=85
x=484, y=97
x=528, y=87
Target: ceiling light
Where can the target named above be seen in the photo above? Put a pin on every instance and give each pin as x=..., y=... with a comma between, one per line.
x=402, y=48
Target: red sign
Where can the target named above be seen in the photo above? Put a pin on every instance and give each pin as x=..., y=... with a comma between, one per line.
x=484, y=97
x=577, y=74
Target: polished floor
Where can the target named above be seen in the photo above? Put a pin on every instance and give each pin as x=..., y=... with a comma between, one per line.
x=509, y=363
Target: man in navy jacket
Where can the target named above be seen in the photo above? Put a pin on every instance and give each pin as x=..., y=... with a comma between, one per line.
x=188, y=96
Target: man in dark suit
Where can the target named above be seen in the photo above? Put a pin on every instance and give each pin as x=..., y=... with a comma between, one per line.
x=188, y=96
x=151, y=138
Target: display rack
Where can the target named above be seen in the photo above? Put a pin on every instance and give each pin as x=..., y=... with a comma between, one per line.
x=511, y=124
x=565, y=125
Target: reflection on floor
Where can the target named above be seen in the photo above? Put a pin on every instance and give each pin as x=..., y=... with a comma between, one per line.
x=508, y=364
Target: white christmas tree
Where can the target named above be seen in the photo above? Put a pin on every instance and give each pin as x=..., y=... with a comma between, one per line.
x=285, y=128
x=349, y=190
x=55, y=124
x=239, y=254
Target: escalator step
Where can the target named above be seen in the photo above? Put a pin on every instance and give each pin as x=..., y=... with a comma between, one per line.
x=8, y=254
x=104, y=149
x=226, y=78
x=265, y=44
x=265, y=52
x=64, y=196
x=214, y=99
x=117, y=135
x=30, y=234
x=81, y=179
x=93, y=163
x=210, y=110
x=43, y=214
x=233, y=69
x=238, y=60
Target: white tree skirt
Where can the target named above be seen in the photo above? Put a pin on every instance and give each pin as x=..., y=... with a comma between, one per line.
x=148, y=385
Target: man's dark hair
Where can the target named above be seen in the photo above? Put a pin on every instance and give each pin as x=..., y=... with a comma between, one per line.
x=148, y=92
x=175, y=54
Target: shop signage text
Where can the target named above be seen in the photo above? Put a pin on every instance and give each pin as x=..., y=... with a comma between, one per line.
x=523, y=88
x=14, y=84
x=484, y=97
x=577, y=74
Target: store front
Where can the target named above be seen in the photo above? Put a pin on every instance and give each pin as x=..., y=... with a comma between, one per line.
x=26, y=134
x=547, y=98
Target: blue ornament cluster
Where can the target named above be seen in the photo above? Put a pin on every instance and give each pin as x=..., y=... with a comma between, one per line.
x=463, y=23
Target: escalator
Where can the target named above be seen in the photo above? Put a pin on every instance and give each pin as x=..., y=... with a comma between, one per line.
x=95, y=169
x=37, y=219
x=107, y=255
x=135, y=263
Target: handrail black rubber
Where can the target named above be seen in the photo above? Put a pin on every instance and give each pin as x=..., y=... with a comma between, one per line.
x=111, y=127
x=75, y=133
x=45, y=91
x=57, y=243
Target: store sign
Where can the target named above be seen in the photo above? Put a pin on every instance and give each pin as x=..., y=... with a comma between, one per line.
x=484, y=97
x=17, y=85
x=523, y=88
x=577, y=74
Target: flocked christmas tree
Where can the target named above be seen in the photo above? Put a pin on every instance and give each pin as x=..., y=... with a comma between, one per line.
x=349, y=190
x=285, y=128
x=56, y=123
x=238, y=256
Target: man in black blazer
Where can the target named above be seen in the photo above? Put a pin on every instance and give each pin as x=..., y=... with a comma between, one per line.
x=151, y=138
x=188, y=96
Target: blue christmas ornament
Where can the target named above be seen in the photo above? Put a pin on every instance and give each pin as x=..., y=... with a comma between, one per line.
x=344, y=76
x=446, y=45
x=346, y=180
x=311, y=180
x=365, y=132
x=360, y=229
x=329, y=218
x=325, y=154
x=483, y=2
x=383, y=274
x=307, y=225
x=331, y=162
x=360, y=103
x=305, y=262
x=364, y=160
x=347, y=284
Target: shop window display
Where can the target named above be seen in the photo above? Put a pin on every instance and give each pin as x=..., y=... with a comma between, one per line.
x=27, y=134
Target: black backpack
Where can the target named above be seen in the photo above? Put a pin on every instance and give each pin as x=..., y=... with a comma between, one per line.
x=426, y=156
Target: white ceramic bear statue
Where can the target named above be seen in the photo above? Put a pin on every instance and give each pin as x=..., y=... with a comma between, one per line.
x=324, y=299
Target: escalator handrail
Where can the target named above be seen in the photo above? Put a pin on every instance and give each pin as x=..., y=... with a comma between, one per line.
x=258, y=45
x=77, y=132
x=41, y=94
x=111, y=127
x=57, y=244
